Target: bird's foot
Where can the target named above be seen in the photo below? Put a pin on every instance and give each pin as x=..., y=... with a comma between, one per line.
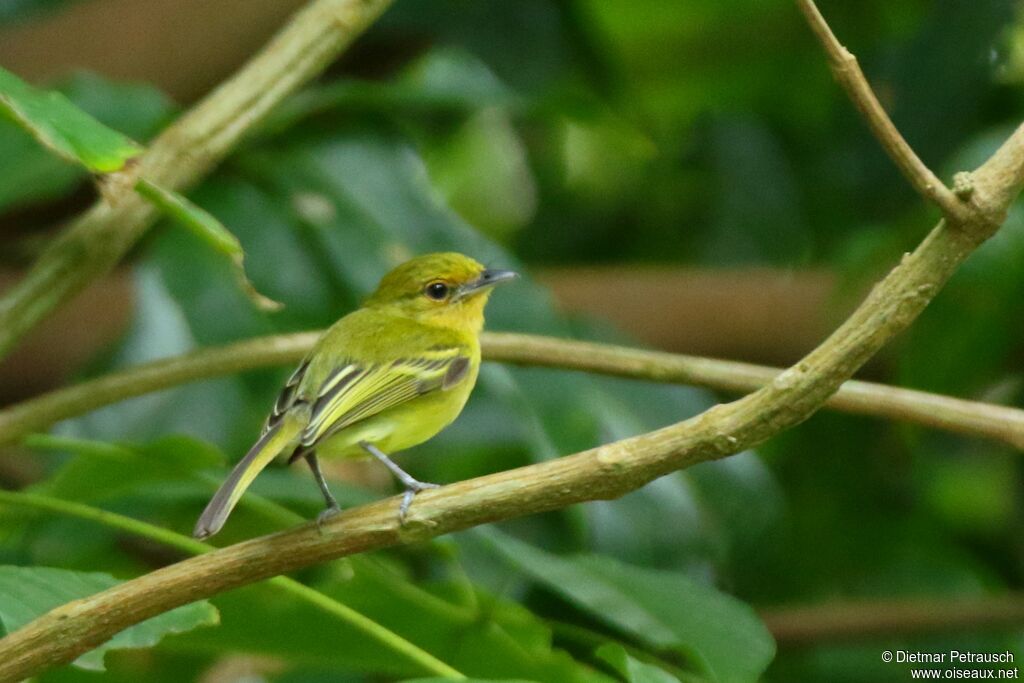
x=412, y=487
x=325, y=515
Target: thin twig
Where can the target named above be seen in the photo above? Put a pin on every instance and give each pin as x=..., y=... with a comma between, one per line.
x=850, y=76
x=600, y=473
x=970, y=418
x=181, y=156
x=817, y=624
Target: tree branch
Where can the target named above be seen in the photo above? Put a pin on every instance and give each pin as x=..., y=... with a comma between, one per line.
x=605, y=472
x=847, y=71
x=181, y=156
x=970, y=418
x=38, y=413
x=803, y=626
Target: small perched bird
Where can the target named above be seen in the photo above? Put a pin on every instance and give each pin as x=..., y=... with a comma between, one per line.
x=384, y=378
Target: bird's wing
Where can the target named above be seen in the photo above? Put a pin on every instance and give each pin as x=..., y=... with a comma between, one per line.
x=357, y=390
x=287, y=398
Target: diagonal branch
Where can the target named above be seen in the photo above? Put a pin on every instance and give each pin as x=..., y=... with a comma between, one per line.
x=970, y=418
x=181, y=156
x=601, y=473
x=850, y=76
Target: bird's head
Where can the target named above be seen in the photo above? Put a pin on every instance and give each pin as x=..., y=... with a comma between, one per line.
x=446, y=289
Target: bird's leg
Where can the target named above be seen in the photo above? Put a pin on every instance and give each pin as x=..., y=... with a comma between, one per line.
x=332, y=505
x=411, y=484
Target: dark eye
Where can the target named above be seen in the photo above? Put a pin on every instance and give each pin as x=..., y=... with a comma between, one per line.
x=438, y=291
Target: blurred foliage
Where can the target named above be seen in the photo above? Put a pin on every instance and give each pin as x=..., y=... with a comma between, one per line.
x=20, y=10
x=575, y=132
x=663, y=610
x=28, y=592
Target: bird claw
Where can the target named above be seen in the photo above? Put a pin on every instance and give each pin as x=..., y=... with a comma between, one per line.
x=325, y=515
x=412, y=487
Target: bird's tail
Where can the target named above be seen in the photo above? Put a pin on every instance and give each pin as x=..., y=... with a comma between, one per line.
x=277, y=438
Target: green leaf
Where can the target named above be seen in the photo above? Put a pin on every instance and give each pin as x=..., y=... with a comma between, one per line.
x=663, y=610
x=160, y=481
x=444, y=81
x=753, y=221
x=454, y=75
x=218, y=410
x=136, y=109
x=32, y=175
x=28, y=592
x=632, y=669
x=174, y=475
x=496, y=33
x=203, y=224
x=105, y=471
x=513, y=642
x=67, y=130
x=494, y=638
x=484, y=174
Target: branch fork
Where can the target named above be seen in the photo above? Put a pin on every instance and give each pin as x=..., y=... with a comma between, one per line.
x=846, y=69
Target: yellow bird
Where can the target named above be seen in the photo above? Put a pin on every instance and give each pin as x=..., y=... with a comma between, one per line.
x=384, y=378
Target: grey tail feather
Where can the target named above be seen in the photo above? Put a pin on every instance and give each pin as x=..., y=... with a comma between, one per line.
x=218, y=509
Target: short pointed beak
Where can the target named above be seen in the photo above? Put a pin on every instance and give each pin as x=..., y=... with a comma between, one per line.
x=489, y=278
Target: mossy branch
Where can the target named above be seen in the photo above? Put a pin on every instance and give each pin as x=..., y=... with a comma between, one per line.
x=180, y=156
x=970, y=418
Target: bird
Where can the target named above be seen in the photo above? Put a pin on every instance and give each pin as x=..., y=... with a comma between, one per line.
x=386, y=377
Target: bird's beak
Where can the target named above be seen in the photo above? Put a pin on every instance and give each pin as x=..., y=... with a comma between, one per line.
x=489, y=278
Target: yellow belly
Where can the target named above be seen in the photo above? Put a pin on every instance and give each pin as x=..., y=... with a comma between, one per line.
x=403, y=426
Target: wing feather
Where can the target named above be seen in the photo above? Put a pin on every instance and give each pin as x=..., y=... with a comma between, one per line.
x=287, y=398
x=357, y=391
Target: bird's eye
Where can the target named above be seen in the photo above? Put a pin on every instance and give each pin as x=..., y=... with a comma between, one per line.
x=438, y=291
